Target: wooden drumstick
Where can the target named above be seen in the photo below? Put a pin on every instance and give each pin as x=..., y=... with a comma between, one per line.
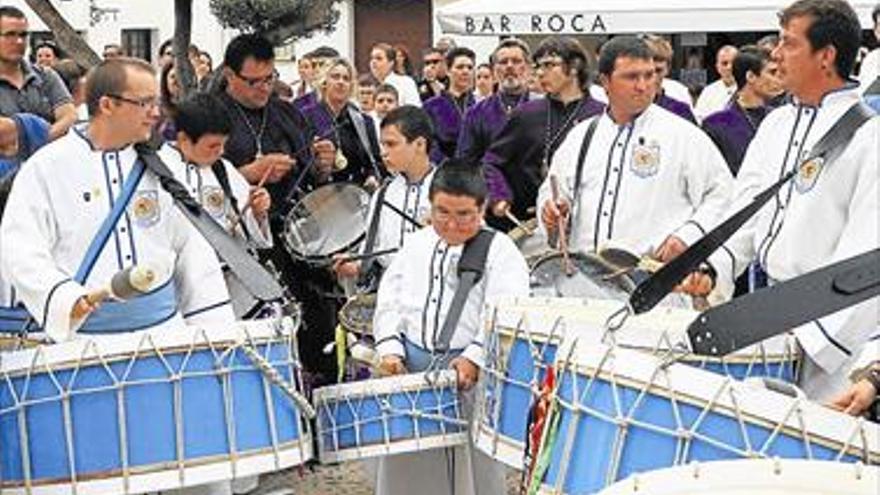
x=240, y=217
x=563, y=238
x=516, y=221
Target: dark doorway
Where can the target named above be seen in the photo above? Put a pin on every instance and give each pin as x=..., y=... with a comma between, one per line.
x=407, y=22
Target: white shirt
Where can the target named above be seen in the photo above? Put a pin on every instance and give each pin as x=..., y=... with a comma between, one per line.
x=815, y=220
x=417, y=289
x=407, y=91
x=641, y=182
x=60, y=198
x=870, y=69
x=393, y=229
x=677, y=91
x=204, y=187
x=713, y=99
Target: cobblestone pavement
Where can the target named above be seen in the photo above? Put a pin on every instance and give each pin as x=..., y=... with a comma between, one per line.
x=343, y=479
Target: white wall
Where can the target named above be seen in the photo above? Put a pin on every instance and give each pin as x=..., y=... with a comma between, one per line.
x=481, y=45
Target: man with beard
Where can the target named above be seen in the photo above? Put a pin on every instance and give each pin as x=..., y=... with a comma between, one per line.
x=447, y=110
x=523, y=149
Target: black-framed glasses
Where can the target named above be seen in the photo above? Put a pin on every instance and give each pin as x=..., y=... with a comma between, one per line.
x=259, y=81
x=144, y=103
x=11, y=35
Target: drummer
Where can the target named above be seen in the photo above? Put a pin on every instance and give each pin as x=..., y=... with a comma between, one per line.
x=651, y=181
x=413, y=302
x=406, y=144
x=196, y=161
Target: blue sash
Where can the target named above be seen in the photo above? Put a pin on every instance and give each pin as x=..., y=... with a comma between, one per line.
x=112, y=317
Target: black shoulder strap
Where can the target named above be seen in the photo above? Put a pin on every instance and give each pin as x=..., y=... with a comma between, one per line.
x=471, y=267
x=582, y=156
x=373, y=229
x=360, y=128
x=219, y=170
x=836, y=139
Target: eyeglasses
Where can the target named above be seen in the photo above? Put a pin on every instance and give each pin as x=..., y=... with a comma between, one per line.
x=443, y=216
x=147, y=103
x=432, y=61
x=11, y=35
x=259, y=81
x=546, y=65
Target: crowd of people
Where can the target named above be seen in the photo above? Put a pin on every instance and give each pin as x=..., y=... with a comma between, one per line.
x=600, y=148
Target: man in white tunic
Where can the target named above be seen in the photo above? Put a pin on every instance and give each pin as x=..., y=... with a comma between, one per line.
x=61, y=198
x=829, y=211
x=406, y=141
x=715, y=96
x=414, y=298
x=651, y=181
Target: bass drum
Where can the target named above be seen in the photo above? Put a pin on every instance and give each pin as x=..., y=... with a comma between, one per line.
x=531, y=242
x=329, y=220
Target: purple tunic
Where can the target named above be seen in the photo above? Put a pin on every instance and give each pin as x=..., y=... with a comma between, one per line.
x=677, y=107
x=732, y=129
x=518, y=152
x=447, y=115
x=483, y=122
x=306, y=100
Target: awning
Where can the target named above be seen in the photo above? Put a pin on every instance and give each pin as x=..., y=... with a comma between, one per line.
x=507, y=17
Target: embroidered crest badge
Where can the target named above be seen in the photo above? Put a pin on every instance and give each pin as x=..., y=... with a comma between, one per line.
x=645, y=159
x=214, y=201
x=144, y=208
x=808, y=174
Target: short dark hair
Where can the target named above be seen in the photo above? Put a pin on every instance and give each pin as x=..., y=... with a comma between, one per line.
x=459, y=51
x=622, y=46
x=768, y=42
x=835, y=23
x=367, y=79
x=111, y=77
x=10, y=11
x=387, y=88
x=460, y=177
x=511, y=43
x=50, y=45
x=749, y=58
x=875, y=14
x=202, y=114
x=572, y=54
x=323, y=52
x=164, y=46
x=390, y=52
x=247, y=45
x=412, y=122
x=430, y=50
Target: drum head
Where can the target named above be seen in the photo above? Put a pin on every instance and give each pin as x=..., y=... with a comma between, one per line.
x=592, y=277
x=329, y=220
x=357, y=314
x=530, y=241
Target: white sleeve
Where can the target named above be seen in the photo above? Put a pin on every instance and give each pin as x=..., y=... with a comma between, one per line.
x=261, y=233
x=27, y=234
x=386, y=318
x=563, y=166
x=507, y=275
x=708, y=187
x=411, y=92
x=202, y=292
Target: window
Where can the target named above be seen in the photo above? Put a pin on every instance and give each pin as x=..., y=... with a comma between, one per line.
x=138, y=43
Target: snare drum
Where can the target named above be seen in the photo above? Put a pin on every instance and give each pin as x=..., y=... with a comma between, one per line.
x=754, y=477
x=532, y=243
x=525, y=333
x=620, y=412
x=356, y=315
x=592, y=277
x=392, y=415
x=329, y=220
x=147, y=411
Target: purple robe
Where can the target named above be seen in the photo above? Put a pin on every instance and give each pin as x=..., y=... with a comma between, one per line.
x=732, y=129
x=483, y=122
x=306, y=100
x=363, y=161
x=518, y=151
x=677, y=107
x=446, y=115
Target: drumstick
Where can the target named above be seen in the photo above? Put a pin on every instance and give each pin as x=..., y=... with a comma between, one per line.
x=516, y=221
x=365, y=256
x=563, y=241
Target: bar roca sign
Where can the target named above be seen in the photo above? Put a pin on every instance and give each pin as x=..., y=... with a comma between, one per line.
x=564, y=23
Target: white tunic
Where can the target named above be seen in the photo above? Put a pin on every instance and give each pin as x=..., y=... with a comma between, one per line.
x=678, y=91
x=204, y=187
x=824, y=215
x=59, y=200
x=407, y=91
x=417, y=289
x=713, y=99
x=870, y=69
x=414, y=297
x=410, y=198
x=641, y=182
